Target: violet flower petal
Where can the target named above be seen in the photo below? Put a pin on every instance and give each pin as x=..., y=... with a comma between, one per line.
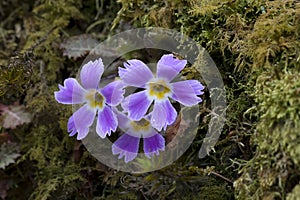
x=127, y=146
x=91, y=73
x=135, y=73
x=168, y=67
x=197, y=86
x=71, y=127
x=70, y=93
x=163, y=114
x=123, y=121
x=113, y=92
x=83, y=118
x=154, y=144
x=138, y=104
x=184, y=93
x=159, y=115
x=171, y=113
x=125, y=104
x=107, y=122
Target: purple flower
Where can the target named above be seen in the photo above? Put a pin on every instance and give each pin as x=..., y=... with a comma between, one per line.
x=158, y=88
x=128, y=144
x=95, y=101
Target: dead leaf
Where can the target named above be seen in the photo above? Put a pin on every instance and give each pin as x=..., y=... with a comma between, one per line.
x=4, y=188
x=8, y=153
x=13, y=116
x=78, y=46
x=175, y=131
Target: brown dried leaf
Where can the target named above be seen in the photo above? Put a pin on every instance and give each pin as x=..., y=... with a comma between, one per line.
x=13, y=116
x=78, y=46
x=175, y=131
x=8, y=154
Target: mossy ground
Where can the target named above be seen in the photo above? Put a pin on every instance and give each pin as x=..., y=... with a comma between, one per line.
x=255, y=44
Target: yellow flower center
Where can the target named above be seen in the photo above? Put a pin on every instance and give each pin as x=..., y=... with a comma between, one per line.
x=95, y=99
x=158, y=89
x=142, y=125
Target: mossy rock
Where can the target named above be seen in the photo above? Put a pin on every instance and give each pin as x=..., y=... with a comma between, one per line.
x=254, y=43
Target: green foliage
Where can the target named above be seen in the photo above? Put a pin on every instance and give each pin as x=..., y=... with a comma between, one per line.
x=51, y=165
x=273, y=40
x=15, y=78
x=294, y=195
x=276, y=162
x=255, y=44
x=275, y=166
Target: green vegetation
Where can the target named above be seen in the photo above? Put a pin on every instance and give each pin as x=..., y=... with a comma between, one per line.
x=254, y=43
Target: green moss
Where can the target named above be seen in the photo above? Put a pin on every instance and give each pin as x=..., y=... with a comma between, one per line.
x=294, y=195
x=254, y=43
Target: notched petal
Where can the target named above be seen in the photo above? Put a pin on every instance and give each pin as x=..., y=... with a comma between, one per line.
x=135, y=73
x=197, y=86
x=185, y=93
x=114, y=92
x=154, y=144
x=81, y=121
x=91, y=73
x=107, y=122
x=71, y=127
x=126, y=146
x=168, y=67
x=70, y=93
x=138, y=104
x=163, y=114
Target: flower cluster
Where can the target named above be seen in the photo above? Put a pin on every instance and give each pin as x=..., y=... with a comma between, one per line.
x=144, y=114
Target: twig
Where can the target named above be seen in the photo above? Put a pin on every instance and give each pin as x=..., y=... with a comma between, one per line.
x=221, y=176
